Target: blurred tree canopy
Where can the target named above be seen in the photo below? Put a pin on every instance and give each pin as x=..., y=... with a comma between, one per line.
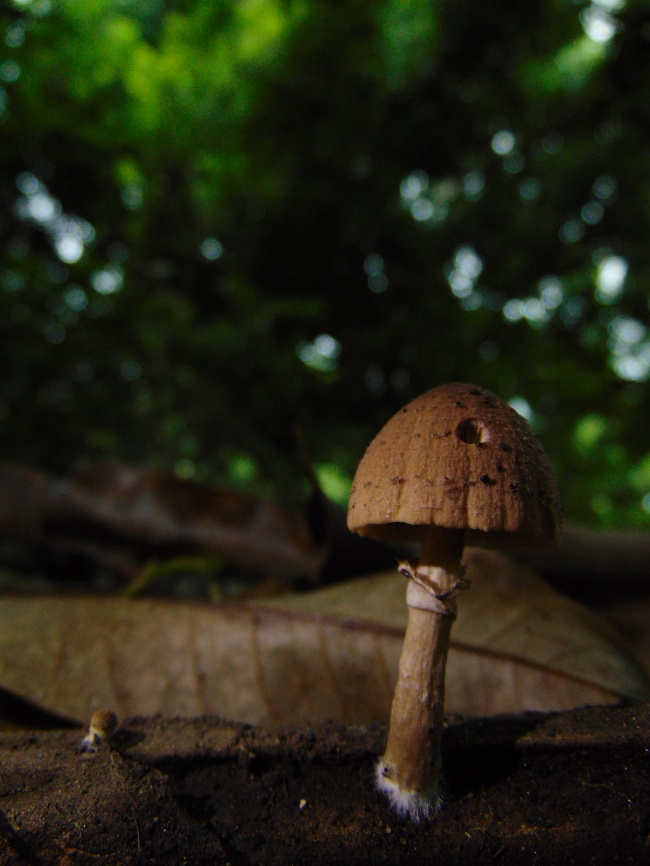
x=223, y=219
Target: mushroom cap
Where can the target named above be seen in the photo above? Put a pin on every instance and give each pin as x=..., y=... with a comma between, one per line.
x=457, y=457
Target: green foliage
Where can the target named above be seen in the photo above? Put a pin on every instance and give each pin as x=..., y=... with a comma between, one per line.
x=406, y=32
x=228, y=219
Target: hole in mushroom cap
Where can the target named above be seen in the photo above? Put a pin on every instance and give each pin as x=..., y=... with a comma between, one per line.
x=473, y=432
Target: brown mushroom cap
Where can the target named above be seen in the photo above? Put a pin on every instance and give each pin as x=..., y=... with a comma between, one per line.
x=457, y=457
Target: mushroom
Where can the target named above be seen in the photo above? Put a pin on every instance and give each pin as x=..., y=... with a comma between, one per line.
x=456, y=466
x=103, y=724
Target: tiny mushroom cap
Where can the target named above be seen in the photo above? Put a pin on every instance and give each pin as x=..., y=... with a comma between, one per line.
x=103, y=724
x=455, y=466
x=457, y=457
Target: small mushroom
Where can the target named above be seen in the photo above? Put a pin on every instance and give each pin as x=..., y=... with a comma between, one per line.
x=456, y=466
x=103, y=724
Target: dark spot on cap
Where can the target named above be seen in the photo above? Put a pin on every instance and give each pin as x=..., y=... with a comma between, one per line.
x=500, y=467
x=512, y=486
x=475, y=392
x=460, y=404
x=486, y=479
x=397, y=480
x=504, y=446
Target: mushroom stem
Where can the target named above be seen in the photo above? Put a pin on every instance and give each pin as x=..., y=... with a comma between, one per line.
x=409, y=771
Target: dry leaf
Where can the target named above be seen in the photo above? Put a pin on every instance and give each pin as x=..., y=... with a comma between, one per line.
x=151, y=509
x=517, y=644
x=594, y=555
x=631, y=617
x=330, y=654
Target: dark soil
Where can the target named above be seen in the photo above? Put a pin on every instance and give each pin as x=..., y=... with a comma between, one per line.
x=570, y=788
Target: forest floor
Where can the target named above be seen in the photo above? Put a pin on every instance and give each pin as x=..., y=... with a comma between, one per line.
x=567, y=788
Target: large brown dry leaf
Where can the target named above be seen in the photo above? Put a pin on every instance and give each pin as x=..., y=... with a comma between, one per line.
x=332, y=654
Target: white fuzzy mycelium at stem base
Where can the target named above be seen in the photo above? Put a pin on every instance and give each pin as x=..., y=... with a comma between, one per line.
x=415, y=806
